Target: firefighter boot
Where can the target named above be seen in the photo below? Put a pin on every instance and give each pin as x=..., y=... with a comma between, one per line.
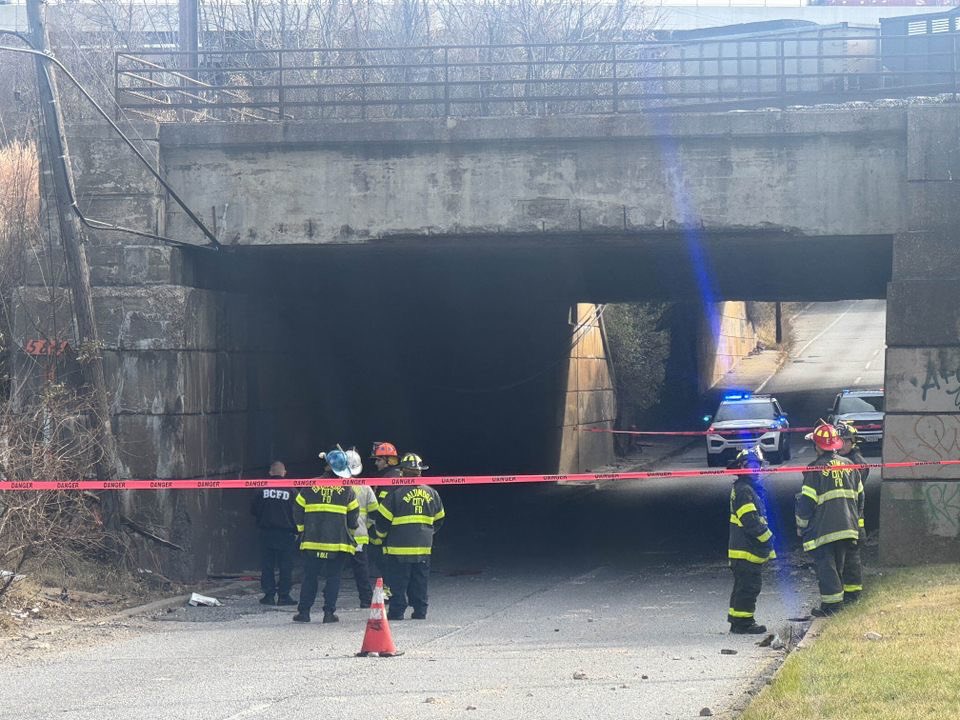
x=747, y=629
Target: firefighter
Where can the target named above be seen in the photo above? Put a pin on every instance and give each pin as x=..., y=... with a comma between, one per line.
x=851, y=448
x=387, y=461
x=367, y=504
x=829, y=517
x=851, y=451
x=273, y=509
x=406, y=520
x=326, y=517
x=751, y=542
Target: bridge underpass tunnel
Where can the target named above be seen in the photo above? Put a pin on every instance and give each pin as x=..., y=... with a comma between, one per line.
x=350, y=345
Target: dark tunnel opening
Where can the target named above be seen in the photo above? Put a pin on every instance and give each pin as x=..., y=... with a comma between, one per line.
x=459, y=355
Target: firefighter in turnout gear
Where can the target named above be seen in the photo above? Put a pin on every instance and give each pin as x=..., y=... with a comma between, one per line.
x=830, y=520
x=751, y=542
x=367, y=501
x=406, y=520
x=851, y=452
x=326, y=517
x=387, y=461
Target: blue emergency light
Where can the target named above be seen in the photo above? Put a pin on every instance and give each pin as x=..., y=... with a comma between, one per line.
x=741, y=395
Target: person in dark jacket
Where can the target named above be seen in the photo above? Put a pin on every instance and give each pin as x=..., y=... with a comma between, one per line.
x=829, y=517
x=407, y=519
x=326, y=516
x=273, y=509
x=851, y=451
x=751, y=543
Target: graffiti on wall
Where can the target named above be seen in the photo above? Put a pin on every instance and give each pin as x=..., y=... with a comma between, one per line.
x=942, y=508
x=940, y=376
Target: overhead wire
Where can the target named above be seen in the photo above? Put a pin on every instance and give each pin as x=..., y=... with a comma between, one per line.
x=213, y=242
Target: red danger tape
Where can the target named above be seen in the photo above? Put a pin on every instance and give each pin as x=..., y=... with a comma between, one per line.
x=8, y=485
x=700, y=433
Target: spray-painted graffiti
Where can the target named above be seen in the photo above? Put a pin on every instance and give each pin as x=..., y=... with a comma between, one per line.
x=927, y=437
x=941, y=377
x=942, y=505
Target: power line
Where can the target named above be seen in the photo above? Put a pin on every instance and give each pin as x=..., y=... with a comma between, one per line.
x=97, y=224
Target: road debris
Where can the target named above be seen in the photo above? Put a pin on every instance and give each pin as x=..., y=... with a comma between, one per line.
x=727, y=651
x=706, y=712
x=579, y=675
x=874, y=636
x=197, y=599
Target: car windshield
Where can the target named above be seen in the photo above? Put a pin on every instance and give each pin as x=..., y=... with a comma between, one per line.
x=869, y=404
x=745, y=411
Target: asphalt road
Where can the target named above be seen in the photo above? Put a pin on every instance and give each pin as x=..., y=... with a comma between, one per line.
x=625, y=584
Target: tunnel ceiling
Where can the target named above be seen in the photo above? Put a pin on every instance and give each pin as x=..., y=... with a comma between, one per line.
x=573, y=268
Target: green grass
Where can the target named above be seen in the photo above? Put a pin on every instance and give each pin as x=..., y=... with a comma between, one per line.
x=913, y=672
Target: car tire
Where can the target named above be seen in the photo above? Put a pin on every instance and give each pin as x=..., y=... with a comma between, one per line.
x=713, y=460
x=785, y=452
x=775, y=458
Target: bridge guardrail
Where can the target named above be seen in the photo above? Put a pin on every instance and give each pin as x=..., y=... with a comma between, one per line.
x=536, y=79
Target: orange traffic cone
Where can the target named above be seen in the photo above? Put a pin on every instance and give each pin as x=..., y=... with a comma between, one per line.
x=377, y=639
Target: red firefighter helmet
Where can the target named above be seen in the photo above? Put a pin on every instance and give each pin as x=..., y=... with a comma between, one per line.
x=384, y=450
x=826, y=437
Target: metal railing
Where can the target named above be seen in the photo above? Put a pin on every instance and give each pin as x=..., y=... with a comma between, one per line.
x=546, y=79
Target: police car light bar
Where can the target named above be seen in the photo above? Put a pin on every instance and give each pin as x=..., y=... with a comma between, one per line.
x=742, y=395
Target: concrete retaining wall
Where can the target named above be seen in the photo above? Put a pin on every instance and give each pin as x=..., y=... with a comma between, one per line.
x=590, y=399
x=725, y=337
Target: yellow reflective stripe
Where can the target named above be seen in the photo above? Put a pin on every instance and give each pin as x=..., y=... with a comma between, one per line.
x=744, y=555
x=809, y=492
x=764, y=536
x=299, y=528
x=386, y=513
x=852, y=588
x=801, y=522
x=829, y=599
x=413, y=520
x=860, y=522
x=739, y=613
x=363, y=539
x=860, y=487
x=372, y=506
x=440, y=515
x=406, y=550
x=325, y=507
x=744, y=509
x=300, y=501
x=352, y=505
x=831, y=537
x=837, y=495
x=326, y=547
x=736, y=521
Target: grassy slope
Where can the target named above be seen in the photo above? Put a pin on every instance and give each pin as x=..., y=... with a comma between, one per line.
x=912, y=672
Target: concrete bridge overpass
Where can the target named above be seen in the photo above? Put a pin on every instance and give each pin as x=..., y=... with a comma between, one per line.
x=416, y=278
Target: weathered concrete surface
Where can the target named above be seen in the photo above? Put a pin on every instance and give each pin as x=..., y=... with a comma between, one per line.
x=590, y=400
x=818, y=172
x=725, y=338
x=919, y=512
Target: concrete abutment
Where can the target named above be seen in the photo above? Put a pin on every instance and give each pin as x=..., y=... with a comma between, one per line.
x=920, y=506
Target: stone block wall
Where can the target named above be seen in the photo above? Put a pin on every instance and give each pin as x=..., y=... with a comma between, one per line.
x=920, y=507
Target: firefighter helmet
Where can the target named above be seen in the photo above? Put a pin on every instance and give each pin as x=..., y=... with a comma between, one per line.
x=748, y=458
x=826, y=437
x=846, y=430
x=412, y=461
x=337, y=461
x=384, y=450
x=354, y=462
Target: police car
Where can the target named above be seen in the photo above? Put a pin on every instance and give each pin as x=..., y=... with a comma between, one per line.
x=864, y=410
x=746, y=420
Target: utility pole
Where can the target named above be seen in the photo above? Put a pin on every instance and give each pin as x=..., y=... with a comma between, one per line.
x=107, y=466
x=189, y=37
